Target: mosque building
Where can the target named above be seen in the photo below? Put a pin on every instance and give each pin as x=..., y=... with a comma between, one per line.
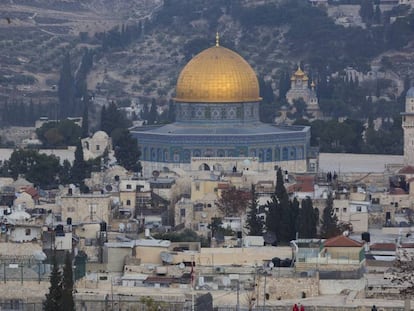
x=217, y=125
x=299, y=88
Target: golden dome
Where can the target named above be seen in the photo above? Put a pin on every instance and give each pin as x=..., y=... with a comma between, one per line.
x=217, y=75
x=299, y=75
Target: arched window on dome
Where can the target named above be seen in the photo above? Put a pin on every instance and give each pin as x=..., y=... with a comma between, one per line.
x=220, y=153
x=253, y=152
x=153, y=154
x=159, y=157
x=299, y=153
x=268, y=157
x=145, y=153
x=277, y=154
x=196, y=153
x=292, y=153
x=261, y=155
x=187, y=156
x=285, y=154
x=176, y=156
x=166, y=155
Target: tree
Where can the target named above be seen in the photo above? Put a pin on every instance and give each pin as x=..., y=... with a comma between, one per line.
x=279, y=218
x=233, y=202
x=329, y=221
x=254, y=223
x=68, y=303
x=126, y=148
x=366, y=10
x=78, y=172
x=66, y=89
x=308, y=220
x=53, y=297
x=85, y=119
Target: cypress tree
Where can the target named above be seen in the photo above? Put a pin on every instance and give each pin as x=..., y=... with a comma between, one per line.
x=53, y=298
x=68, y=303
x=66, y=89
x=85, y=119
x=329, y=222
x=79, y=166
x=254, y=222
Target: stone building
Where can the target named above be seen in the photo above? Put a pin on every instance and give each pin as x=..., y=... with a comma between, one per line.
x=299, y=89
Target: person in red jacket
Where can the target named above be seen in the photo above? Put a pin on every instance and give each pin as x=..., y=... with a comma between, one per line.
x=295, y=307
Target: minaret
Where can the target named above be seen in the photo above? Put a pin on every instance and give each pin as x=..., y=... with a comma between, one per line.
x=408, y=127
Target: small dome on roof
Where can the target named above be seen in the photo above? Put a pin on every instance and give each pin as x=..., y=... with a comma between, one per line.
x=100, y=135
x=410, y=92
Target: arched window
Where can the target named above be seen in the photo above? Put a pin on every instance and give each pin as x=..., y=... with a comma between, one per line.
x=128, y=202
x=285, y=154
x=268, y=157
x=277, y=154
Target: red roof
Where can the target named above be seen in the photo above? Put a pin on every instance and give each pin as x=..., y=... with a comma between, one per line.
x=33, y=192
x=383, y=247
x=303, y=184
x=407, y=170
x=223, y=186
x=342, y=241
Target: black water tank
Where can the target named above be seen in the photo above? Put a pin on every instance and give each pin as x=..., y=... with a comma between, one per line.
x=366, y=236
x=103, y=226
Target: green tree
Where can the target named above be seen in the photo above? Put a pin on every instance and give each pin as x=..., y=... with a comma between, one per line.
x=254, y=223
x=308, y=220
x=85, y=119
x=279, y=218
x=66, y=89
x=53, y=300
x=79, y=173
x=68, y=303
x=126, y=148
x=329, y=222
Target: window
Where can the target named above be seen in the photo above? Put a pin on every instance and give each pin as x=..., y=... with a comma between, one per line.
x=98, y=147
x=128, y=202
x=28, y=232
x=344, y=210
x=182, y=212
x=128, y=186
x=359, y=208
x=336, y=210
x=197, y=186
x=71, y=209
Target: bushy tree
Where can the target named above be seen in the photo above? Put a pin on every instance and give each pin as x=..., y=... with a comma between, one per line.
x=126, y=148
x=233, y=202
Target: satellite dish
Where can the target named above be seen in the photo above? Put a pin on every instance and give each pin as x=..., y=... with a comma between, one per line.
x=271, y=264
x=269, y=237
x=166, y=257
x=155, y=174
x=108, y=188
x=226, y=281
x=39, y=256
x=181, y=265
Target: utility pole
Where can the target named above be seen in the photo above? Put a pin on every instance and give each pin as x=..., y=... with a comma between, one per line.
x=264, y=292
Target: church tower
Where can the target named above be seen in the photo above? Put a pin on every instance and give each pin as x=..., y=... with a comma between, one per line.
x=408, y=127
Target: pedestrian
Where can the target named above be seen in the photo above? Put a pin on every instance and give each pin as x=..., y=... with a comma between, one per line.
x=295, y=307
x=302, y=308
x=374, y=308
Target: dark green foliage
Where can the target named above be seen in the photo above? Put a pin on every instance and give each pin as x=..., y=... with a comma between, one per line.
x=112, y=118
x=187, y=235
x=59, y=134
x=126, y=148
x=66, y=89
x=38, y=168
x=279, y=218
x=68, y=303
x=153, y=114
x=254, y=223
x=79, y=170
x=308, y=220
x=329, y=221
x=85, y=119
x=53, y=300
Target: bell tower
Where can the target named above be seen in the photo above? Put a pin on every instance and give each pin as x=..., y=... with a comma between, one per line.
x=408, y=128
